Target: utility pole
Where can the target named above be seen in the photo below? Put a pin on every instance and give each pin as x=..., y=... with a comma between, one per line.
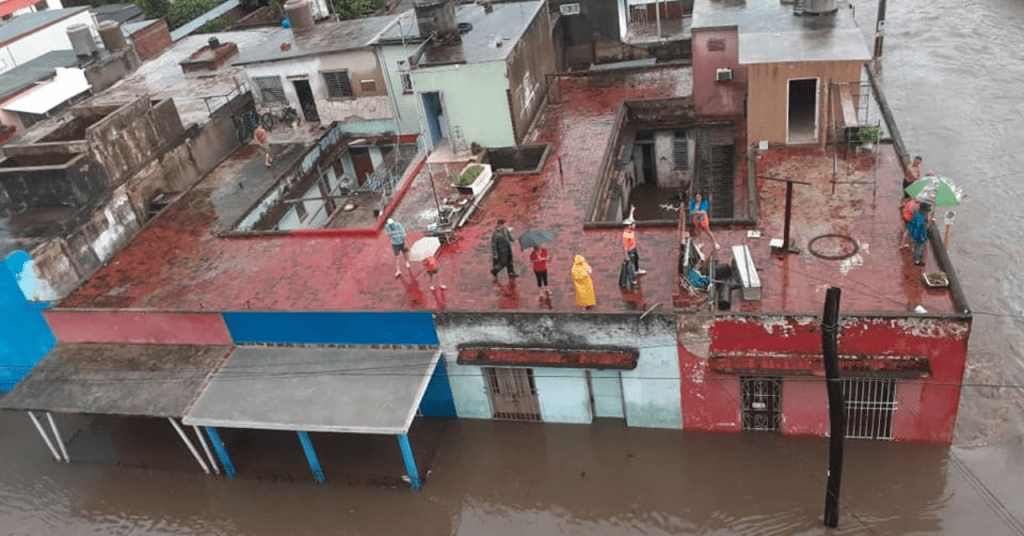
x=836, y=405
x=879, y=30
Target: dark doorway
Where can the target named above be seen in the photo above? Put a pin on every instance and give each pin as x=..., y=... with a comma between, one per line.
x=362, y=162
x=433, y=111
x=306, y=100
x=803, y=110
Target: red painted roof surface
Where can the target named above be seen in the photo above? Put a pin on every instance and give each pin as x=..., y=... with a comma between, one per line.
x=176, y=263
x=10, y=6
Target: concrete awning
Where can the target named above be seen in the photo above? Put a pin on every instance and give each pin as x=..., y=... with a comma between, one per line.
x=316, y=389
x=116, y=379
x=68, y=84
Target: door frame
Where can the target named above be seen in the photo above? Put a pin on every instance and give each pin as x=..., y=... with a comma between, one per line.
x=817, y=102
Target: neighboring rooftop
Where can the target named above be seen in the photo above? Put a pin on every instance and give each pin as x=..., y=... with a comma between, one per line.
x=770, y=32
x=13, y=29
x=506, y=23
x=178, y=262
x=119, y=13
x=29, y=73
x=10, y=6
x=322, y=38
x=162, y=77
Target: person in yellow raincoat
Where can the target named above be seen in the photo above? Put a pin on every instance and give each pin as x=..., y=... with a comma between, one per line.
x=584, y=284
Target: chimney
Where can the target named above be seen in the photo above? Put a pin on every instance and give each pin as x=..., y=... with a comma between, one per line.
x=113, y=38
x=298, y=13
x=435, y=17
x=81, y=39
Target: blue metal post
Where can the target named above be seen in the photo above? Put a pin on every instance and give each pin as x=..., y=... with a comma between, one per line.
x=410, y=462
x=314, y=462
x=222, y=453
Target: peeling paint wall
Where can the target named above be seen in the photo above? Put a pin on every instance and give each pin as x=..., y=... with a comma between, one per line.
x=651, y=391
x=710, y=400
x=926, y=407
x=530, y=62
x=125, y=140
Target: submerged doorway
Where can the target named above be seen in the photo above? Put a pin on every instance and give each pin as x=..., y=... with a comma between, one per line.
x=306, y=100
x=513, y=393
x=803, y=111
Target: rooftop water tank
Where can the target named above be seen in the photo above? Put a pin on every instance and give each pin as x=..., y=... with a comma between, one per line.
x=81, y=40
x=298, y=13
x=435, y=16
x=819, y=7
x=113, y=38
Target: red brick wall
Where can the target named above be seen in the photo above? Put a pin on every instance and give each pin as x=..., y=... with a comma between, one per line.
x=152, y=40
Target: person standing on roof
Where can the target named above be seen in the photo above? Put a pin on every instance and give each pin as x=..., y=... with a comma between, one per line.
x=583, y=283
x=629, y=241
x=430, y=263
x=539, y=259
x=501, y=251
x=396, y=233
x=260, y=136
x=917, y=227
x=913, y=174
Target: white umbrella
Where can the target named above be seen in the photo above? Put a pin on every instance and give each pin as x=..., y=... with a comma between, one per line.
x=424, y=248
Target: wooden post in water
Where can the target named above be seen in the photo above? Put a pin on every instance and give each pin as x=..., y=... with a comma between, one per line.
x=836, y=405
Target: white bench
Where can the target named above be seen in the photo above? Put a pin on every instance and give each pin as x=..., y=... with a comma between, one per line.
x=743, y=267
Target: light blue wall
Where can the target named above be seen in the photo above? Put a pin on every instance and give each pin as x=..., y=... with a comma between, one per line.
x=563, y=394
x=468, y=389
x=475, y=98
x=407, y=105
x=652, y=390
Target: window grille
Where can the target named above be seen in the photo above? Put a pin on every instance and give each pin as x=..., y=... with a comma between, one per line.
x=870, y=404
x=338, y=84
x=513, y=393
x=271, y=89
x=762, y=403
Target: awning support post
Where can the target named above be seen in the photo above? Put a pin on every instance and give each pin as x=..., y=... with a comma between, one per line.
x=39, y=427
x=188, y=443
x=314, y=462
x=56, y=436
x=206, y=449
x=410, y=462
x=222, y=453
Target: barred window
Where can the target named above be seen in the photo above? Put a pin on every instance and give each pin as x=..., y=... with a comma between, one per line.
x=406, y=83
x=271, y=89
x=681, y=149
x=338, y=84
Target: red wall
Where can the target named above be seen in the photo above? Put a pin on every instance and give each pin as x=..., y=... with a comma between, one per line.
x=138, y=327
x=152, y=40
x=926, y=407
x=712, y=98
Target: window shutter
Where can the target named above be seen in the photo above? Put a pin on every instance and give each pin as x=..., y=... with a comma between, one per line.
x=681, y=150
x=338, y=85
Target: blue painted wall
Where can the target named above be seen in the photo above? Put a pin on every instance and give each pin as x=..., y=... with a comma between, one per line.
x=305, y=327
x=25, y=337
x=437, y=401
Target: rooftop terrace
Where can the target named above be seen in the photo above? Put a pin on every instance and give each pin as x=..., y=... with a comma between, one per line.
x=179, y=263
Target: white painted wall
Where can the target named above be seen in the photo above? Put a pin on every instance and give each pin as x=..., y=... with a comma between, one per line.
x=52, y=37
x=563, y=395
x=651, y=392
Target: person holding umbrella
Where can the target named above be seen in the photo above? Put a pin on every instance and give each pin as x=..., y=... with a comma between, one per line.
x=424, y=250
x=538, y=256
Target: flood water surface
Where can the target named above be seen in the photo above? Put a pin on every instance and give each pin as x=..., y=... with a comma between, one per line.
x=952, y=73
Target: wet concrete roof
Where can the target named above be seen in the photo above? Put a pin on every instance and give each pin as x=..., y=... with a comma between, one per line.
x=769, y=32
x=178, y=263
x=20, y=25
x=27, y=74
x=506, y=23
x=116, y=379
x=162, y=77
x=362, y=390
x=322, y=38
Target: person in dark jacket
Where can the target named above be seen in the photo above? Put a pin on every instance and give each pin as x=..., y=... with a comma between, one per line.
x=501, y=251
x=917, y=227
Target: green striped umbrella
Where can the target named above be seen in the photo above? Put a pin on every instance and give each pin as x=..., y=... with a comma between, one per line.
x=935, y=190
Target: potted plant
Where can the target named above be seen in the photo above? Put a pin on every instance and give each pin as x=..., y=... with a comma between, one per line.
x=868, y=135
x=473, y=179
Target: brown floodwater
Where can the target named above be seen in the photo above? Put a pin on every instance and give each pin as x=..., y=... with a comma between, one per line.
x=952, y=73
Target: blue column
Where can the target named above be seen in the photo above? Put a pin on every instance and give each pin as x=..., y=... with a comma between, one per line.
x=314, y=462
x=410, y=462
x=222, y=453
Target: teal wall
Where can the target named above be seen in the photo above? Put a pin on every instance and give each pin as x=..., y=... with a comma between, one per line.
x=563, y=395
x=475, y=99
x=407, y=104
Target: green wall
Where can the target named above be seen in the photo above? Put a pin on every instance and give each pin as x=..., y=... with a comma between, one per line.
x=474, y=98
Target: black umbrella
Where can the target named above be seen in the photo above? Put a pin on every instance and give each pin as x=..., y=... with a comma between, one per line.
x=530, y=239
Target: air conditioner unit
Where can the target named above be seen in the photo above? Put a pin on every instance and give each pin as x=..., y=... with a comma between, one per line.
x=723, y=75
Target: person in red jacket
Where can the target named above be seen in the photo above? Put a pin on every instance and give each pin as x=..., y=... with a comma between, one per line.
x=539, y=258
x=430, y=263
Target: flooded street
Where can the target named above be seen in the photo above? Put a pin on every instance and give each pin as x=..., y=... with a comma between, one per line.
x=952, y=73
